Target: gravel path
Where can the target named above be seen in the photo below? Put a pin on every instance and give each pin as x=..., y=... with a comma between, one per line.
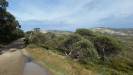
x=13, y=61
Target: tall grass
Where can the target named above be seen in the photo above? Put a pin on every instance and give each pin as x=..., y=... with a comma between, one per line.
x=57, y=64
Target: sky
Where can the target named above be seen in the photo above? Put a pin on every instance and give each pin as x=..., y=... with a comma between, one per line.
x=72, y=14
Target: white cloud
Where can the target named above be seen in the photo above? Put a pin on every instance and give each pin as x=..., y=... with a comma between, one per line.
x=79, y=12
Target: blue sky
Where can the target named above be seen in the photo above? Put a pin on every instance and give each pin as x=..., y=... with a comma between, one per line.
x=72, y=14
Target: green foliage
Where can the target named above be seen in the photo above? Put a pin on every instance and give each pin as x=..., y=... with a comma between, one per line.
x=36, y=37
x=47, y=40
x=122, y=64
x=3, y=4
x=79, y=48
x=86, y=33
x=107, y=46
x=9, y=26
x=84, y=51
x=77, y=45
x=55, y=42
x=87, y=47
x=18, y=33
x=67, y=45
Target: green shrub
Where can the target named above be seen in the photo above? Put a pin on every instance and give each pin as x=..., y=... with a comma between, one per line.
x=79, y=48
x=87, y=47
x=55, y=42
x=38, y=38
x=67, y=46
x=85, y=32
x=84, y=51
x=107, y=46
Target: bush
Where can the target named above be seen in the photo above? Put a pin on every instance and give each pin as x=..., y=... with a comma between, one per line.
x=18, y=33
x=86, y=33
x=48, y=40
x=107, y=46
x=87, y=47
x=79, y=48
x=38, y=38
x=67, y=46
x=84, y=51
x=55, y=42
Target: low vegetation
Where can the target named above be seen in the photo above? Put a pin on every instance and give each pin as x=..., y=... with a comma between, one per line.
x=72, y=53
x=57, y=64
x=105, y=53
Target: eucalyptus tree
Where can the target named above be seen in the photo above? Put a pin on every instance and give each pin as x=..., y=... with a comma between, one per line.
x=3, y=4
x=9, y=26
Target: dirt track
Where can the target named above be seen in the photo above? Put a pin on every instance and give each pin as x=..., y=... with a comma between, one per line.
x=11, y=63
x=13, y=60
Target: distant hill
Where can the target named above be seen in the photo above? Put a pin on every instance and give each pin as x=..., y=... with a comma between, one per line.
x=59, y=32
x=115, y=31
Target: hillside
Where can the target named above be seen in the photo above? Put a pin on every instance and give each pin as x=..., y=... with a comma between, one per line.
x=115, y=31
x=101, y=50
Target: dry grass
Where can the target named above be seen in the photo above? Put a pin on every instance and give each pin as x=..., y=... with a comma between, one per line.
x=57, y=64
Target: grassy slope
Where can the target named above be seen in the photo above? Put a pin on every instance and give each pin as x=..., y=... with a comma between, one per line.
x=57, y=64
x=60, y=65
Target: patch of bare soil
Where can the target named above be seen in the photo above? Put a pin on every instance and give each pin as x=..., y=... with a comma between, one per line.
x=11, y=63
